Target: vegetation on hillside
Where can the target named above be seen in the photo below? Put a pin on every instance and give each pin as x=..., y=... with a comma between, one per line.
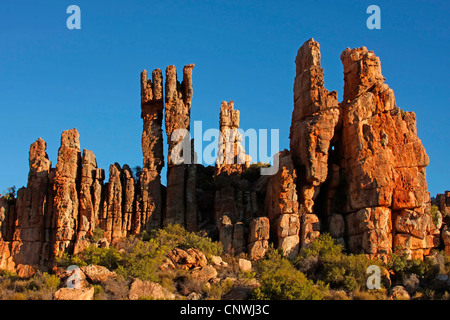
x=323, y=270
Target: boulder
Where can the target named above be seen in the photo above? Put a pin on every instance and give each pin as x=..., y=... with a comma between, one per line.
x=97, y=274
x=148, y=290
x=74, y=294
x=245, y=265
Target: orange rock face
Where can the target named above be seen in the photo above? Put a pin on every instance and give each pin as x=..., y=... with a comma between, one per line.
x=315, y=116
x=152, y=106
x=90, y=199
x=65, y=201
x=231, y=158
x=283, y=207
x=178, y=97
x=258, y=238
x=355, y=169
x=363, y=164
x=383, y=159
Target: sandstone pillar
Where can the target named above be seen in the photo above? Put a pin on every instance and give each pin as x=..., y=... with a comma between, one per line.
x=152, y=105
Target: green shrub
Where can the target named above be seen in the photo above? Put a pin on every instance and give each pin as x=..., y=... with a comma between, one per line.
x=107, y=257
x=324, y=247
x=217, y=290
x=176, y=236
x=99, y=292
x=401, y=265
x=140, y=257
x=8, y=274
x=280, y=280
x=97, y=235
x=10, y=194
x=339, y=270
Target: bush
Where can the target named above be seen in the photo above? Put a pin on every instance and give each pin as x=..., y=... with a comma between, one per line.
x=176, y=236
x=217, y=290
x=401, y=265
x=107, y=257
x=9, y=195
x=324, y=260
x=280, y=280
x=40, y=286
x=140, y=257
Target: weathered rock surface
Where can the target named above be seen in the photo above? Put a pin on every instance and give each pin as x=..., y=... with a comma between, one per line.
x=258, y=238
x=442, y=201
x=97, y=274
x=446, y=239
x=180, y=189
x=245, y=265
x=383, y=161
x=90, y=199
x=152, y=106
x=355, y=169
x=283, y=207
x=186, y=259
x=146, y=289
x=399, y=293
x=204, y=274
x=74, y=294
x=65, y=201
x=360, y=165
x=231, y=158
x=28, y=226
x=315, y=116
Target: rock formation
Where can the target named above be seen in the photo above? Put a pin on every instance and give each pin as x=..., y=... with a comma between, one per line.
x=25, y=228
x=383, y=162
x=442, y=201
x=258, y=238
x=314, y=119
x=232, y=203
x=442, y=215
x=90, y=199
x=231, y=158
x=178, y=99
x=360, y=164
x=65, y=202
x=355, y=169
x=283, y=207
x=152, y=106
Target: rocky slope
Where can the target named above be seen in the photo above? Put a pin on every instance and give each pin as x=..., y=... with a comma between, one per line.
x=355, y=169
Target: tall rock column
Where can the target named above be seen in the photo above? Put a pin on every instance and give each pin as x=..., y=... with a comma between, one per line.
x=28, y=248
x=231, y=158
x=65, y=202
x=90, y=199
x=129, y=200
x=314, y=119
x=178, y=99
x=229, y=197
x=152, y=106
x=383, y=162
x=114, y=216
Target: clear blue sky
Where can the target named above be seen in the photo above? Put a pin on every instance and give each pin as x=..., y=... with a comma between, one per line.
x=53, y=79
